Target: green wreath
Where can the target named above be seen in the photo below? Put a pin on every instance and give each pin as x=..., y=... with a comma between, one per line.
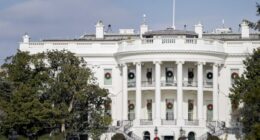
x=210, y=107
x=169, y=105
x=107, y=75
x=149, y=105
x=131, y=106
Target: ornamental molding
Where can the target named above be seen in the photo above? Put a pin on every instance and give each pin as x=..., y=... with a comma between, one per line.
x=129, y=53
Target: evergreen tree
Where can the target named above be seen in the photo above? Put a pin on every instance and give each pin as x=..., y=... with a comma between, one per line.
x=255, y=25
x=245, y=96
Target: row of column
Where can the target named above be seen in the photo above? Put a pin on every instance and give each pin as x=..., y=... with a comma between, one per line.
x=180, y=119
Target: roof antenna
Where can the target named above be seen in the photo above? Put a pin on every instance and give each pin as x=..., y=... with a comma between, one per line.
x=173, y=15
x=144, y=19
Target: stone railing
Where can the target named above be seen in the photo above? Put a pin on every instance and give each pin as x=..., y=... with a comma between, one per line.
x=148, y=83
x=171, y=44
x=191, y=122
x=168, y=122
x=168, y=83
x=131, y=84
x=146, y=122
x=190, y=83
x=207, y=84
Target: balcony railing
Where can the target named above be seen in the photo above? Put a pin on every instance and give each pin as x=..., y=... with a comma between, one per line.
x=190, y=83
x=131, y=84
x=191, y=122
x=146, y=122
x=168, y=122
x=168, y=83
x=208, y=84
x=148, y=83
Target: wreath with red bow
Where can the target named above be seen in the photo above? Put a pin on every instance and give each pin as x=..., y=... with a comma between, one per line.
x=107, y=75
x=131, y=106
x=234, y=75
x=169, y=105
x=190, y=106
x=149, y=105
x=210, y=107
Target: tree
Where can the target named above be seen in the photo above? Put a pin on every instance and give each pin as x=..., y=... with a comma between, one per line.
x=50, y=90
x=255, y=25
x=245, y=96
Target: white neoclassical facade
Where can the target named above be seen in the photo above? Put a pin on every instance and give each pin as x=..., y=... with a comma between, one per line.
x=174, y=81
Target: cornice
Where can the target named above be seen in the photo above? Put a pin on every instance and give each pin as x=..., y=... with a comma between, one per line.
x=222, y=54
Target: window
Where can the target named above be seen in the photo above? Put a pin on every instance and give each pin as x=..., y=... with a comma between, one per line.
x=169, y=76
x=149, y=107
x=233, y=75
x=190, y=76
x=190, y=109
x=107, y=76
x=169, y=109
x=149, y=75
x=131, y=110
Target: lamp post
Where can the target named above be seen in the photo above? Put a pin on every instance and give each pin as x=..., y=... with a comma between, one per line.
x=156, y=133
x=182, y=134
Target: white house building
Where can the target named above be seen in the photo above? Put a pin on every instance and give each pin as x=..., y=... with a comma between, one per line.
x=173, y=81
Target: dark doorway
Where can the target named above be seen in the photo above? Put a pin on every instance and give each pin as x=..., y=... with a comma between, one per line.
x=146, y=135
x=168, y=137
x=191, y=136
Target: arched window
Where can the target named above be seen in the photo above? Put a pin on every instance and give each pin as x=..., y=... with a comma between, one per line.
x=191, y=136
x=146, y=135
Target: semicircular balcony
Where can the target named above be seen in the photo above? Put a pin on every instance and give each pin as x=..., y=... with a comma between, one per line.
x=166, y=46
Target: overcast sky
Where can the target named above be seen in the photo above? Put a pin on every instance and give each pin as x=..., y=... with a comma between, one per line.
x=46, y=19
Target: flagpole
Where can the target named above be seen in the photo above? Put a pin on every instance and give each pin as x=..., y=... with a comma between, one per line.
x=173, y=15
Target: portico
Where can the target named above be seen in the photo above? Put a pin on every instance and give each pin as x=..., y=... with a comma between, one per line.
x=184, y=83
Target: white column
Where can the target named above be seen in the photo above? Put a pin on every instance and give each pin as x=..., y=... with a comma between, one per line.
x=138, y=96
x=215, y=92
x=180, y=120
x=200, y=91
x=157, y=92
x=125, y=93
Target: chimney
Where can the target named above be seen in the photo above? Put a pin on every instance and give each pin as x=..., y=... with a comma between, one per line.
x=244, y=30
x=26, y=38
x=100, y=30
x=143, y=27
x=199, y=29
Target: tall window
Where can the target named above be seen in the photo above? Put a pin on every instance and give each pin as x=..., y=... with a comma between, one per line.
x=107, y=76
x=149, y=106
x=131, y=78
x=209, y=110
x=169, y=109
x=190, y=76
x=190, y=109
x=169, y=76
x=234, y=74
x=131, y=110
x=149, y=75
